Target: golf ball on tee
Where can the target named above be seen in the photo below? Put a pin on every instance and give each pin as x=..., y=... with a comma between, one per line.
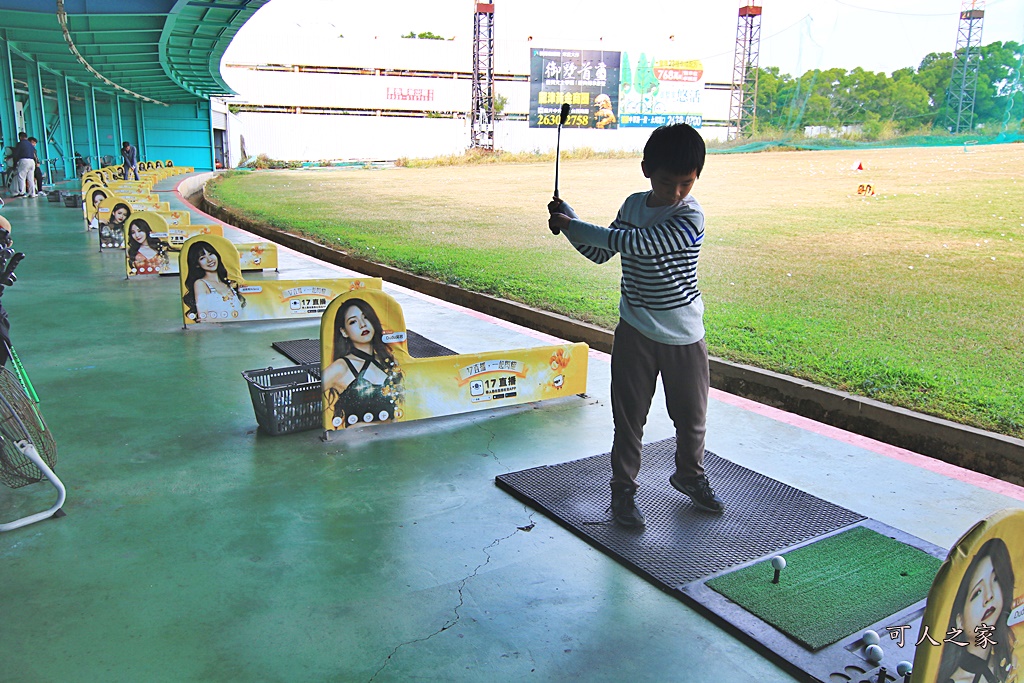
x=778, y=562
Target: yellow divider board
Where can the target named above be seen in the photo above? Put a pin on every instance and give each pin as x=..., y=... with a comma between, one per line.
x=175, y=218
x=369, y=376
x=213, y=290
x=973, y=623
x=116, y=212
x=177, y=235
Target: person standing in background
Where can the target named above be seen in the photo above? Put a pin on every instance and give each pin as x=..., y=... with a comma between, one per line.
x=130, y=155
x=25, y=167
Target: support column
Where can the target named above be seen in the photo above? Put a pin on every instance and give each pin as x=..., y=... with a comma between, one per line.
x=8, y=121
x=213, y=152
x=64, y=116
x=45, y=136
x=120, y=133
x=140, y=118
x=95, y=125
x=33, y=113
x=66, y=109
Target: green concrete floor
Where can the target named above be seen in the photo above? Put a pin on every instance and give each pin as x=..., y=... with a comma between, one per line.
x=196, y=549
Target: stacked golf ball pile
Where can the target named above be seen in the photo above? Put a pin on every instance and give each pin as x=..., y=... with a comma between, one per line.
x=873, y=653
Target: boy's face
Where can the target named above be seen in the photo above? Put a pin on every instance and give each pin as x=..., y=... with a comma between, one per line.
x=668, y=188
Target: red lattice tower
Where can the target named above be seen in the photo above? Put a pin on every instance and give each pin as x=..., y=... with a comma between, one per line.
x=743, y=102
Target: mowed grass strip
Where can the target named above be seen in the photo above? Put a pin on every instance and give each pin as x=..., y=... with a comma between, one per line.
x=912, y=297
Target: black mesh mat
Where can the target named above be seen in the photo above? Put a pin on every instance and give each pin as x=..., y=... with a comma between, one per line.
x=307, y=351
x=680, y=543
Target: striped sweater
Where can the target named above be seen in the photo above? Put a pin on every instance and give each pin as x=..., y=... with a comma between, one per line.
x=659, y=248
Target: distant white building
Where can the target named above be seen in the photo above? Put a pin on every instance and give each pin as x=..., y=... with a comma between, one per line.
x=334, y=98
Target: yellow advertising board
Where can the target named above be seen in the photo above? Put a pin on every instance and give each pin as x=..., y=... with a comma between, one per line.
x=110, y=220
x=145, y=241
x=369, y=376
x=136, y=202
x=131, y=186
x=93, y=195
x=180, y=233
x=155, y=251
x=115, y=214
x=213, y=290
x=176, y=218
x=973, y=624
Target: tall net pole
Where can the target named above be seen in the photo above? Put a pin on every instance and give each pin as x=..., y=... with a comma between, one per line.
x=963, y=85
x=481, y=116
x=743, y=94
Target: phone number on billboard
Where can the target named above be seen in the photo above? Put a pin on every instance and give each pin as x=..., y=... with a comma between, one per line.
x=577, y=120
x=652, y=120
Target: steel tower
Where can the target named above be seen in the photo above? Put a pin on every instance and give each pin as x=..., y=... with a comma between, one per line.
x=963, y=85
x=743, y=103
x=481, y=116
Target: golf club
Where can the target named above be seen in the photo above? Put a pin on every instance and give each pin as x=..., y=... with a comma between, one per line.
x=558, y=149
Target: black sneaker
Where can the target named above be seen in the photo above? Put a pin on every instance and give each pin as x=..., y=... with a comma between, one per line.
x=700, y=492
x=625, y=512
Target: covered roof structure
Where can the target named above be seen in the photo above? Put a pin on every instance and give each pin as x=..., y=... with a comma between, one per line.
x=156, y=50
x=82, y=75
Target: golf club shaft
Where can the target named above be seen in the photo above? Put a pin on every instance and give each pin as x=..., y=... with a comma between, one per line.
x=558, y=155
x=562, y=116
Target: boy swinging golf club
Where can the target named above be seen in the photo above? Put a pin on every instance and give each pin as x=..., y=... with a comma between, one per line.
x=661, y=329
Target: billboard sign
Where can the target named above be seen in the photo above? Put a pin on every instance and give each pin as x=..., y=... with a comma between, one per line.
x=586, y=80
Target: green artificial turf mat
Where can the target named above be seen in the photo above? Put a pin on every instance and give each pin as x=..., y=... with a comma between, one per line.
x=833, y=587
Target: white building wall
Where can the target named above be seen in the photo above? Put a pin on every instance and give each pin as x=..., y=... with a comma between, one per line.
x=329, y=136
x=312, y=137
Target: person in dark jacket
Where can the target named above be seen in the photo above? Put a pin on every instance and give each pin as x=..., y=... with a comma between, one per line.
x=25, y=167
x=130, y=155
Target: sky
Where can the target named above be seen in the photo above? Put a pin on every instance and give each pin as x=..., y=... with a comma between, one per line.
x=796, y=35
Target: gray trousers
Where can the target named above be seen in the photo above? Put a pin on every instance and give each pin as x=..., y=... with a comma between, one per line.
x=25, y=180
x=636, y=363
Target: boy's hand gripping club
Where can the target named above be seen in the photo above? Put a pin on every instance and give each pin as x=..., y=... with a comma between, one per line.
x=563, y=115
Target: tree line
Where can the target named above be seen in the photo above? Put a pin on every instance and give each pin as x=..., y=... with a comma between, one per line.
x=911, y=99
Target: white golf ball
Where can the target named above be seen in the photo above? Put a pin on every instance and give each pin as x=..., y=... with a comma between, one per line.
x=874, y=653
x=904, y=668
x=778, y=562
x=870, y=637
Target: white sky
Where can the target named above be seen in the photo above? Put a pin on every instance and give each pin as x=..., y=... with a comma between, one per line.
x=796, y=35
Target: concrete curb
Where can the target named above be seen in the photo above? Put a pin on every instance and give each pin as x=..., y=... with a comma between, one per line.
x=986, y=452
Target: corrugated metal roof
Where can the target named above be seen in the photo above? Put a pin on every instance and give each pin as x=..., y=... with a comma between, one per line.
x=162, y=50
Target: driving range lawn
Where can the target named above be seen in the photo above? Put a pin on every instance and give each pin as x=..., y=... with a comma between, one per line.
x=912, y=297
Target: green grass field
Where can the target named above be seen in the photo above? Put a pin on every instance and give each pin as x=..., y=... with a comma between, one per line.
x=912, y=297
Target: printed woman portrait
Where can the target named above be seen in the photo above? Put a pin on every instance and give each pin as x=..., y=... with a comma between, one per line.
x=112, y=231
x=210, y=295
x=147, y=255
x=363, y=383
x=980, y=611
x=95, y=197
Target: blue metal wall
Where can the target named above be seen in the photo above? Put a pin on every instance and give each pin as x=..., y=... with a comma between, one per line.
x=68, y=116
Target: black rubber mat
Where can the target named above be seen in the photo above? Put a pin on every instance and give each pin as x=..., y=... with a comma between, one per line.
x=307, y=351
x=680, y=543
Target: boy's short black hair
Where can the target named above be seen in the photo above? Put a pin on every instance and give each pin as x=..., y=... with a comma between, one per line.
x=677, y=148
